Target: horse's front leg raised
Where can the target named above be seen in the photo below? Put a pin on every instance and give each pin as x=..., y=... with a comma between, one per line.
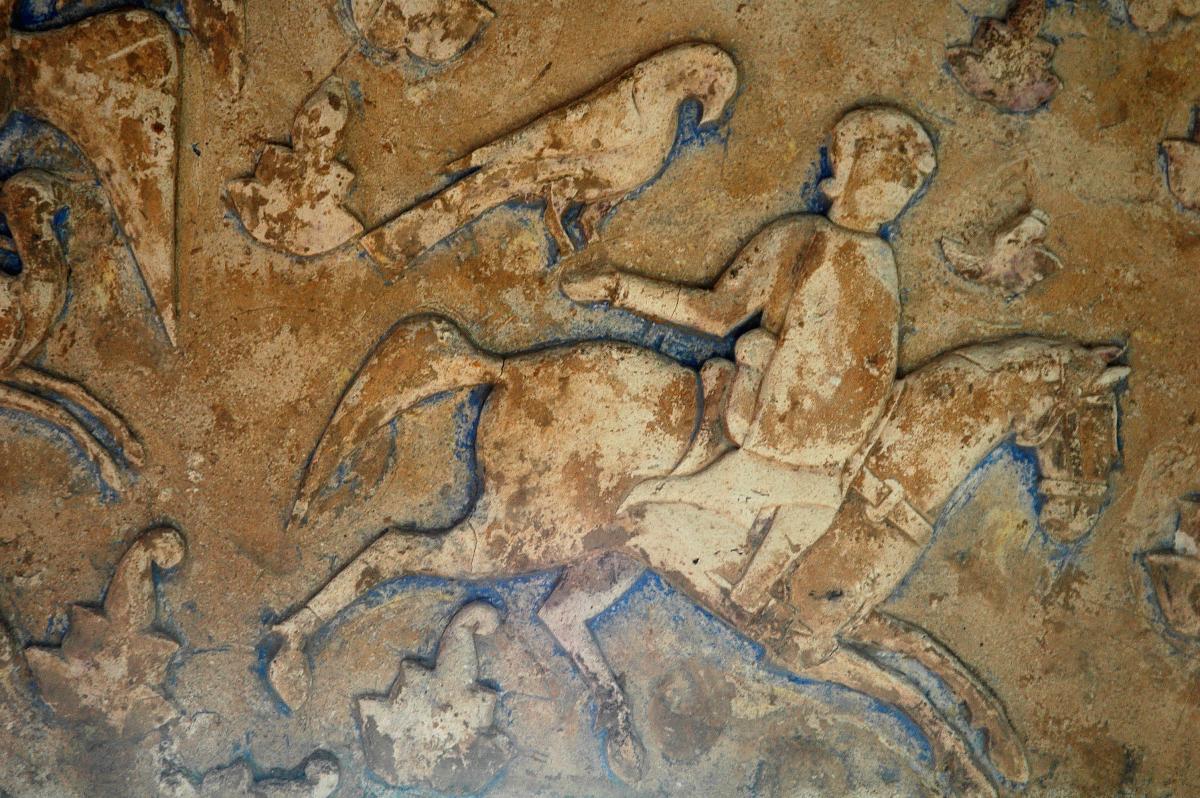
x=392, y=555
x=952, y=758
x=585, y=590
x=1002, y=743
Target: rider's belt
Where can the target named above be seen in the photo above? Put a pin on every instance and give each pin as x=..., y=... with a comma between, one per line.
x=887, y=503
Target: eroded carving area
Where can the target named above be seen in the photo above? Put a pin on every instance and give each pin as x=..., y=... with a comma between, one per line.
x=552, y=398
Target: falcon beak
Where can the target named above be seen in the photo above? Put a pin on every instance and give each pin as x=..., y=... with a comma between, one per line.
x=713, y=111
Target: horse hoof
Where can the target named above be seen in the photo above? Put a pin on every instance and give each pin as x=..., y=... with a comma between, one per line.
x=1008, y=758
x=626, y=757
x=133, y=452
x=289, y=675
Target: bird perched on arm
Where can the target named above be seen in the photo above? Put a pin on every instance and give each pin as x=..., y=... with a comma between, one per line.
x=592, y=151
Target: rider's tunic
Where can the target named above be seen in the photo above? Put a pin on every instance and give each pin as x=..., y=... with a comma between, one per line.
x=832, y=370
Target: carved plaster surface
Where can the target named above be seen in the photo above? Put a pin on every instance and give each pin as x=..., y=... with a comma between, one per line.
x=552, y=398
x=1154, y=15
x=294, y=202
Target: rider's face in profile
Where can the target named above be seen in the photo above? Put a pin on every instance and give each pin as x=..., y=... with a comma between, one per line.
x=880, y=159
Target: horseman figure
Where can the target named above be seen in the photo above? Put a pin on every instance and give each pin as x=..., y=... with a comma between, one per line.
x=812, y=381
x=601, y=459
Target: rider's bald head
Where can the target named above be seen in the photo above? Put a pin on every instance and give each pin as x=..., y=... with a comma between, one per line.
x=881, y=158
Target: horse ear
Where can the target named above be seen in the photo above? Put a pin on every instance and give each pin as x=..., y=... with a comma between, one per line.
x=1107, y=354
x=1111, y=376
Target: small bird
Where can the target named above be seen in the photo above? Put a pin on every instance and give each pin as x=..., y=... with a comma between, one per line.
x=1016, y=260
x=592, y=151
x=1007, y=64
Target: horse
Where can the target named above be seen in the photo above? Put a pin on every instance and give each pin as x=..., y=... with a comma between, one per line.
x=566, y=434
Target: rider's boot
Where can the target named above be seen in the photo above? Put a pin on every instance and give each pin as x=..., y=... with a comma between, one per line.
x=792, y=531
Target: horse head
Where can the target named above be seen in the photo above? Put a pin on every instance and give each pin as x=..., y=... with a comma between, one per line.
x=1071, y=423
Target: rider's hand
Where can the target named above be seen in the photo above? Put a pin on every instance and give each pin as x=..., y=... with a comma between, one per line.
x=599, y=286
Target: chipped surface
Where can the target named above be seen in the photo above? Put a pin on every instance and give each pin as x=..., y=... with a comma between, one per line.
x=679, y=384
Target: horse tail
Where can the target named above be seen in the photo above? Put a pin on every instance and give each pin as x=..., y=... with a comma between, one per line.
x=418, y=358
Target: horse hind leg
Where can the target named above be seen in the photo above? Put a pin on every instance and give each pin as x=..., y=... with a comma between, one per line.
x=1002, y=744
x=952, y=758
x=393, y=555
x=584, y=590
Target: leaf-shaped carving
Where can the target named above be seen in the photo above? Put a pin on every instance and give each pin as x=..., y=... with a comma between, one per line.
x=435, y=727
x=1007, y=64
x=294, y=202
x=113, y=661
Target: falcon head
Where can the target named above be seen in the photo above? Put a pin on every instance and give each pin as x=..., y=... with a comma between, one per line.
x=717, y=82
x=692, y=71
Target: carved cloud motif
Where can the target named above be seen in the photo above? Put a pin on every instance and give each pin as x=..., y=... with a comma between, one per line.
x=112, y=661
x=1007, y=64
x=432, y=30
x=436, y=728
x=294, y=201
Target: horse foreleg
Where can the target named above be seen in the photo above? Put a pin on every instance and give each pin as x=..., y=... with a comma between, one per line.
x=951, y=756
x=584, y=591
x=1002, y=743
x=392, y=555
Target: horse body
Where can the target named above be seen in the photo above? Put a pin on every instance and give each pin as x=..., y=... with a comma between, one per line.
x=563, y=437
x=567, y=433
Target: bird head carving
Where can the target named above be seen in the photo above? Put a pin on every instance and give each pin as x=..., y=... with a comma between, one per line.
x=695, y=71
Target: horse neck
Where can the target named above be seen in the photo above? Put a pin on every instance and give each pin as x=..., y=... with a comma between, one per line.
x=953, y=414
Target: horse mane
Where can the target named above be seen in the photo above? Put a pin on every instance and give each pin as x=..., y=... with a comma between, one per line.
x=993, y=356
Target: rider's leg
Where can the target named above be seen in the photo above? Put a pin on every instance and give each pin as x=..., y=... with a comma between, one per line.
x=709, y=442
x=793, y=530
x=753, y=353
x=585, y=590
x=851, y=569
x=738, y=486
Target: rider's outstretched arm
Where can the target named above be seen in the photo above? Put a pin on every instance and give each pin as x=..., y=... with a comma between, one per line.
x=744, y=289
